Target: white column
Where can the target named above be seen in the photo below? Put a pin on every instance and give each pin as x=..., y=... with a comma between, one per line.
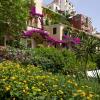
x=33, y=43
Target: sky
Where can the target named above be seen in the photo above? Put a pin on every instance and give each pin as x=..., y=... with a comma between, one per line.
x=90, y=8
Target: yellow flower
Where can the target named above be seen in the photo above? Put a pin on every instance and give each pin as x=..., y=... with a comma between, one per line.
x=26, y=88
x=29, y=71
x=25, y=81
x=75, y=84
x=61, y=98
x=7, y=88
x=70, y=81
x=89, y=98
x=79, y=91
x=24, y=91
x=38, y=90
x=17, y=65
x=75, y=94
x=33, y=87
x=83, y=94
x=91, y=95
x=13, y=78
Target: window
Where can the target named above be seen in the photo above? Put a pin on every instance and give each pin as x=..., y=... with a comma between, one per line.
x=65, y=33
x=56, y=9
x=54, y=30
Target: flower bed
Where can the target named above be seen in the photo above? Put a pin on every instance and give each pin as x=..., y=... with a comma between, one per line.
x=20, y=82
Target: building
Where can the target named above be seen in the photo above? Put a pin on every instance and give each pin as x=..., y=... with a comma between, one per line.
x=62, y=6
x=34, y=25
x=36, y=33
x=82, y=22
x=56, y=31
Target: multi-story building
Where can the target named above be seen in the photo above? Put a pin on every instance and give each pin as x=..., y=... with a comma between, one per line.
x=34, y=24
x=62, y=6
x=35, y=32
x=82, y=22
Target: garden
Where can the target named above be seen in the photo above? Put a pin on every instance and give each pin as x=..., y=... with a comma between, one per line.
x=45, y=73
x=42, y=74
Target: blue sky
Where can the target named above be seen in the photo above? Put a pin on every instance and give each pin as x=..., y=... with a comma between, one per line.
x=89, y=8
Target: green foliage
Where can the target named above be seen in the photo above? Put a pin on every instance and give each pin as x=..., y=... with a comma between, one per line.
x=70, y=61
x=86, y=51
x=52, y=56
x=50, y=59
x=13, y=15
x=18, y=82
x=97, y=60
x=55, y=17
x=47, y=22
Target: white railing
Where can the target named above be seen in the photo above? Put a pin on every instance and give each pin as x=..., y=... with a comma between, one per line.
x=93, y=73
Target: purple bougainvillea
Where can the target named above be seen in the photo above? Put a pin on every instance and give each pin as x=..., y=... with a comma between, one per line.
x=76, y=40
x=52, y=39
x=30, y=32
x=33, y=10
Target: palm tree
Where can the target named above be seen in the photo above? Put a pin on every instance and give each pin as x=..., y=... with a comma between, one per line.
x=86, y=50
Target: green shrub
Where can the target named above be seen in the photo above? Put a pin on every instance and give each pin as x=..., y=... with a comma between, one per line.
x=97, y=60
x=71, y=65
x=54, y=60
x=46, y=63
x=50, y=59
x=18, y=82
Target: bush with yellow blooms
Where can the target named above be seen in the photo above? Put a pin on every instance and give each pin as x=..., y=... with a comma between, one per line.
x=20, y=82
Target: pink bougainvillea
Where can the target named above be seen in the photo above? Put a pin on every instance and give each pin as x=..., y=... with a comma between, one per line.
x=75, y=40
x=45, y=34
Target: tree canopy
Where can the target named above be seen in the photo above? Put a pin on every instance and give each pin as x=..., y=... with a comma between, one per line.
x=13, y=16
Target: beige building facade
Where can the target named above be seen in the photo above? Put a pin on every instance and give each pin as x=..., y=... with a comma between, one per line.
x=55, y=31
